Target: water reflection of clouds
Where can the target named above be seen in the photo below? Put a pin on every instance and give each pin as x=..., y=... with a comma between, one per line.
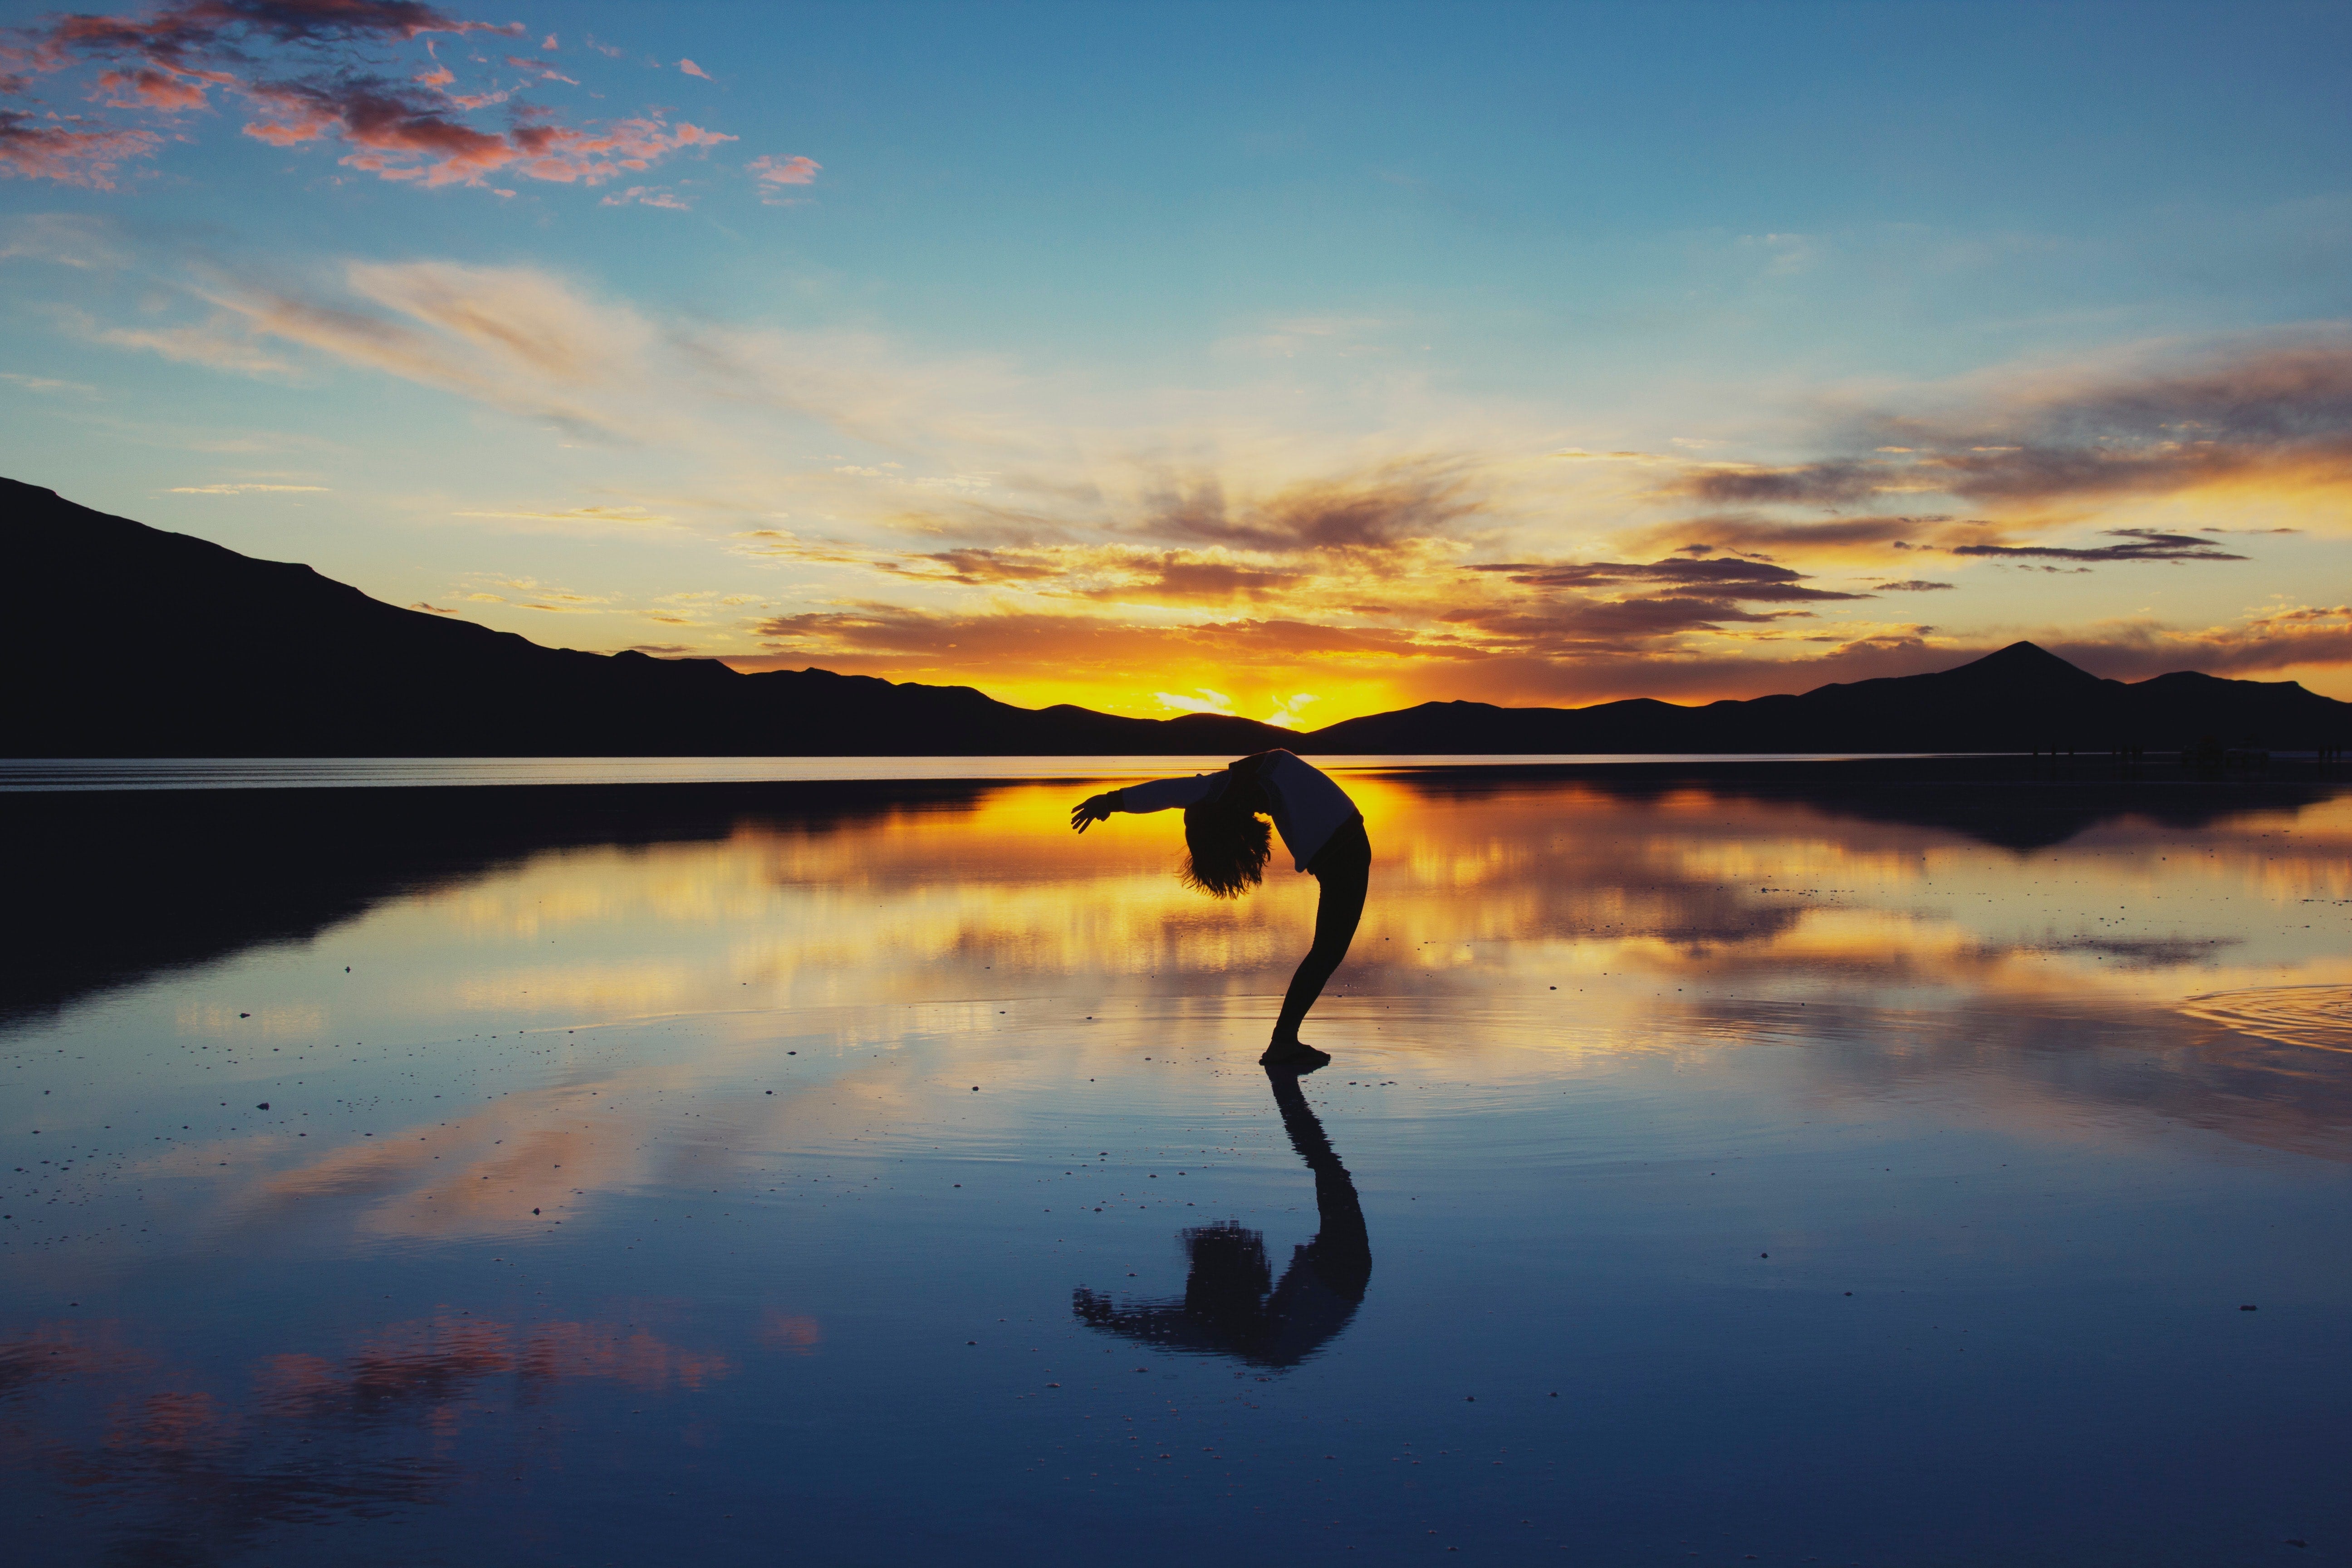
x=432, y=1361
x=936, y=922
x=533, y=1156
x=1823, y=967
x=189, y=1468
x=1592, y=869
x=2058, y=1073
x=916, y=905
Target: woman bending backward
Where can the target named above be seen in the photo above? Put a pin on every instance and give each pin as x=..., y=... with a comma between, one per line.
x=1226, y=837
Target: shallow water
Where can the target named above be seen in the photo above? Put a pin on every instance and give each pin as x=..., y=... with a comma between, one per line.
x=1702, y=1173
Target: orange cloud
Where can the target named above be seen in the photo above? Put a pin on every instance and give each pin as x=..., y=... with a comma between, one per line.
x=1595, y=653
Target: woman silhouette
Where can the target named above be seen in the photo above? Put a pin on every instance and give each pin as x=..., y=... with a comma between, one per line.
x=1226, y=845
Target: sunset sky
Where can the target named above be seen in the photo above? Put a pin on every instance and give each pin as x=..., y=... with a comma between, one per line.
x=1294, y=361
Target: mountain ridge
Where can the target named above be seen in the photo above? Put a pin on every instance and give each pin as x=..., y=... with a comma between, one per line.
x=229, y=665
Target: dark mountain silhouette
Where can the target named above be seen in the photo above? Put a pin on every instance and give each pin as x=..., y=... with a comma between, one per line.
x=227, y=655
x=2019, y=699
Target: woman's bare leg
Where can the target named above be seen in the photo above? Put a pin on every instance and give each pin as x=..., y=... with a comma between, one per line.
x=1338, y=911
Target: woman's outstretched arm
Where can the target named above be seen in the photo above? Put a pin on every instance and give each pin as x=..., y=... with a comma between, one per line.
x=1159, y=795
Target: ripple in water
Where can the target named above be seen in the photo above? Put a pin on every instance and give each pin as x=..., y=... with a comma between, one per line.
x=2318, y=1017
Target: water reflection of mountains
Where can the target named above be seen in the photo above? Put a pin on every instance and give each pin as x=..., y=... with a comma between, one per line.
x=115, y=887
x=2009, y=803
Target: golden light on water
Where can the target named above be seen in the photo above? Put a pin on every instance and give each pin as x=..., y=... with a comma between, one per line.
x=1550, y=923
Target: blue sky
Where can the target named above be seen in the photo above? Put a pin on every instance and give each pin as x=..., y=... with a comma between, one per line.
x=1295, y=360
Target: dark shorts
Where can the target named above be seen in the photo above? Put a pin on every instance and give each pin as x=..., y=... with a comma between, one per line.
x=1346, y=853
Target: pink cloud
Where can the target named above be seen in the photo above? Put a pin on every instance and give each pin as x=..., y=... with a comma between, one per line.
x=32, y=150
x=158, y=91
x=400, y=138
x=548, y=43
x=563, y=154
x=691, y=69
x=181, y=33
x=774, y=174
x=415, y=130
x=481, y=100
x=546, y=72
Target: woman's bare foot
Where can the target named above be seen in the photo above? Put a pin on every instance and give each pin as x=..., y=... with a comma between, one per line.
x=1294, y=1055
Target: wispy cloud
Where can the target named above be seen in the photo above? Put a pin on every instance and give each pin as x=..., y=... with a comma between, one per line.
x=45, y=385
x=241, y=490
x=537, y=344
x=1405, y=499
x=2281, y=411
x=2301, y=636
x=217, y=342
x=612, y=515
x=649, y=196
x=1725, y=576
x=773, y=175
x=2131, y=544
x=55, y=149
x=546, y=72
x=956, y=521
x=515, y=338
x=529, y=593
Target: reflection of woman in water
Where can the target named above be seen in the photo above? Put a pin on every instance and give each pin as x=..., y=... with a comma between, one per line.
x=1227, y=1308
x=1225, y=835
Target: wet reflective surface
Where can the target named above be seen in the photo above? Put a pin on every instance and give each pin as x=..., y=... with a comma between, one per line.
x=1854, y=1176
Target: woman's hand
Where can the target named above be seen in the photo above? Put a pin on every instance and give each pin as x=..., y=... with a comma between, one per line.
x=1093, y=809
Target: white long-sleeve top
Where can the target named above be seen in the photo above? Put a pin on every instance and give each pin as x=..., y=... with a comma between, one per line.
x=1308, y=807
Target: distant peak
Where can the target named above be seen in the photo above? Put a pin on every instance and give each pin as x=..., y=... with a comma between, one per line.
x=2024, y=660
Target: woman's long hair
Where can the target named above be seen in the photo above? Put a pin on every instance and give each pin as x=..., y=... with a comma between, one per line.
x=1226, y=845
